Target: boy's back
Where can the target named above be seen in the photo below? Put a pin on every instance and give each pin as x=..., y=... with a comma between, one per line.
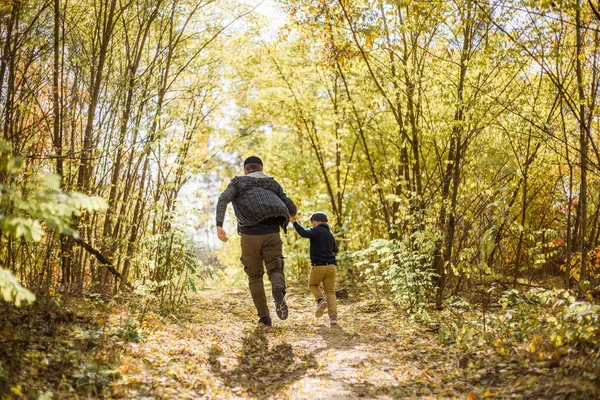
x=322, y=257
x=322, y=243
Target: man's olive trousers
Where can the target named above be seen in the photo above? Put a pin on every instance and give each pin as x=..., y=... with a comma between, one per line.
x=256, y=250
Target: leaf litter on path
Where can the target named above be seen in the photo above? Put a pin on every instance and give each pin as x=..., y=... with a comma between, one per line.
x=214, y=349
x=375, y=352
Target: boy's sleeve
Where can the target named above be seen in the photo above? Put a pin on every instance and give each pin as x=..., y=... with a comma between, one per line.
x=225, y=198
x=307, y=233
x=335, y=246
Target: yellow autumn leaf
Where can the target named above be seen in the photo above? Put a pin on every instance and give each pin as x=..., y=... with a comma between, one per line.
x=17, y=390
x=489, y=393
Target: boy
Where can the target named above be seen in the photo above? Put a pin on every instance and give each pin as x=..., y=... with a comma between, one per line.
x=322, y=257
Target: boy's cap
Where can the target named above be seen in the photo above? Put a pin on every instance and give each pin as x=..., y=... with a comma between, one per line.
x=319, y=216
x=252, y=160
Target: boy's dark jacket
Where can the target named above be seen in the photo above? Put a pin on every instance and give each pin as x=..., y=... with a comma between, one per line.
x=322, y=243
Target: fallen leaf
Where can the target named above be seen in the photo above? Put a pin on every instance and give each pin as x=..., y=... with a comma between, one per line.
x=17, y=390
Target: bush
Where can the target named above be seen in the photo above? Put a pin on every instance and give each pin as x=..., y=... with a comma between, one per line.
x=12, y=291
x=24, y=208
x=404, y=269
x=555, y=315
x=543, y=323
x=170, y=267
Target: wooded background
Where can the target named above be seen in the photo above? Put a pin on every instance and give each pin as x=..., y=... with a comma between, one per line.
x=452, y=142
x=455, y=144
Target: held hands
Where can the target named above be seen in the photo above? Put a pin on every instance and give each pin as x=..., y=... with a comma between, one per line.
x=292, y=219
x=221, y=234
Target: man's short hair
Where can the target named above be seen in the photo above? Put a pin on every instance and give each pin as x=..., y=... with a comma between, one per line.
x=253, y=160
x=253, y=167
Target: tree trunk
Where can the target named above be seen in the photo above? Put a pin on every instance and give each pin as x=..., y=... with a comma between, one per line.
x=452, y=173
x=583, y=142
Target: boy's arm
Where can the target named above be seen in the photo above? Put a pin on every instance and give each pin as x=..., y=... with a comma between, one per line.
x=335, y=246
x=307, y=233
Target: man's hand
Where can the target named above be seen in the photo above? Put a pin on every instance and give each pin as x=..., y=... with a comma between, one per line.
x=221, y=234
x=292, y=219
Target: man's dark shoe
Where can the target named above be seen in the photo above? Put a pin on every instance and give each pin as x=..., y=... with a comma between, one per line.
x=281, y=307
x=321, y=306
x=265, y=321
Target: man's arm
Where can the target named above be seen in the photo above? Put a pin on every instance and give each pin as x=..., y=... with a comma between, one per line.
x=225, y=198
x=307, y=233
x=286, y=200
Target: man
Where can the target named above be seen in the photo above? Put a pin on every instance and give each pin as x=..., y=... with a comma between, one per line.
x=261, y=208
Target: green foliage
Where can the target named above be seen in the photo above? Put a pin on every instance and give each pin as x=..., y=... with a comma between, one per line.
x=170, y=267
x=132, y=332
x=12, y=291
x=406, y=270
x=555, y=315
x=92, y=378
x=25, y=207
x=543, y=323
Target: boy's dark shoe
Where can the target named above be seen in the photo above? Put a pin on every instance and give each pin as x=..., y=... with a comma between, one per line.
x=321, y=306
x=281, y=307
x=265, y=321
x=332, y=321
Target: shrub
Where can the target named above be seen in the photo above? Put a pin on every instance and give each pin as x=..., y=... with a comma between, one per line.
x=543, y=323
x=169, y=266
x=24, y=208
x=405, y=269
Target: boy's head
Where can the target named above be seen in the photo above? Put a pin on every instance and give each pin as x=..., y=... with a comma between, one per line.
x=318, y=218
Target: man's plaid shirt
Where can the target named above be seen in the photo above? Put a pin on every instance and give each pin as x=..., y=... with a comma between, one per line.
x=255, y=197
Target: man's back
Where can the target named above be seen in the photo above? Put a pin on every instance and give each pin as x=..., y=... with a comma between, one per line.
x=256, y=197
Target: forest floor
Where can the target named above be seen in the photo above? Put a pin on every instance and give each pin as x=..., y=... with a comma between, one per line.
x=214, y=349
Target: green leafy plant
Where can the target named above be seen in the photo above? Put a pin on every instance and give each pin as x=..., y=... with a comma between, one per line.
x=171, y=267
x=92, y=378
x=542, y=323
x=12, y=291
x=405, y=269
x=132, y=332
x=28, y=210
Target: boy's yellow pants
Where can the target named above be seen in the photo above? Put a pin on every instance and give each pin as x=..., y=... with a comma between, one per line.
x=325, y=274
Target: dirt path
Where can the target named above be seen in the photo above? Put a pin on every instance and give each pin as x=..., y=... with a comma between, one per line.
x=216, y=350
